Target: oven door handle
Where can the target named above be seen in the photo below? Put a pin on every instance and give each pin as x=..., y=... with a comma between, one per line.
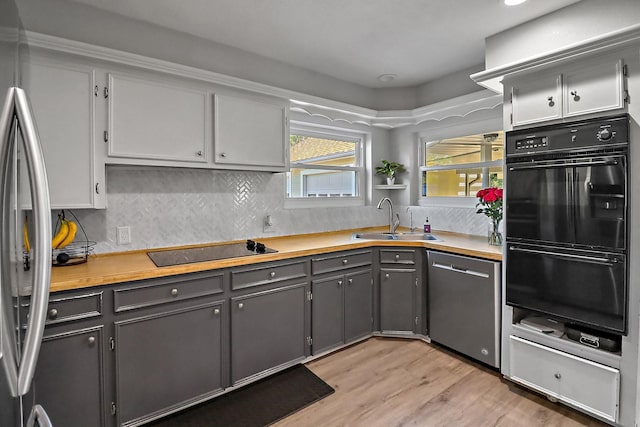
x=566, y=164
x=595, y=260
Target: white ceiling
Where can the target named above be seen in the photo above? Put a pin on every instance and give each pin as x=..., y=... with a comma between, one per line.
x=352, y=40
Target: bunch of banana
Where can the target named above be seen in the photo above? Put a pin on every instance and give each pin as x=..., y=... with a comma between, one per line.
x=25, y=235
x=65, y=235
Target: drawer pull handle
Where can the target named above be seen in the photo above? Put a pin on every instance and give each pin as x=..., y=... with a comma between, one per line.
x=557, y=375
x=92, y=340
x=53, y=314
x=174, y=292
x=397, y=257
x=345, y=261
x=216, y=311
x=240, y=306
x=272, y=274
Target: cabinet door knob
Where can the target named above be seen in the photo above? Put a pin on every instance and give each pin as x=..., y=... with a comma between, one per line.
x=339, y=283
x=53, y=314
x=199, y=153
x=397, y=257
x=386, y=276
x=551, y=103
x=350, y=281
x=240, y=305
x=575, y=95
x=345, y=261
x=557, y=375
x=272, y=274
x=216, y=311
x=223, y=154
x=91, y=340
x=174, y=292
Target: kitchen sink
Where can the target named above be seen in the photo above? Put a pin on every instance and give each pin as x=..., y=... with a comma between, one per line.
x=396, y=236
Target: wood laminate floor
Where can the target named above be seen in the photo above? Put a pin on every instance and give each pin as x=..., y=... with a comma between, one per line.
x=394, y=382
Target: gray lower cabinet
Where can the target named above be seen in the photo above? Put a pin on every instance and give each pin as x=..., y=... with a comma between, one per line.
x=342, y=309
x=167, y=359
x=268, y=330
x=400, y=291
x=69, y=379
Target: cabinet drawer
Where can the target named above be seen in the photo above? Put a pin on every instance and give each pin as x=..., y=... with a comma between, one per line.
x=75, y=307
x=398, y=256
x=580, y=383
x=340, y=262
x=263, y=275
x=154, y=292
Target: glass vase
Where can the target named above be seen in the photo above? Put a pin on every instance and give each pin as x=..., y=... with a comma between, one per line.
x=495, y=237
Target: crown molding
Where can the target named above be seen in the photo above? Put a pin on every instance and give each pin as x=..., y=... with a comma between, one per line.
x=334, y=111
x=460, y=106
x=492, y=78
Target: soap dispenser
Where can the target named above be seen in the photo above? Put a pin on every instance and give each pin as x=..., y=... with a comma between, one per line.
x=427, y=226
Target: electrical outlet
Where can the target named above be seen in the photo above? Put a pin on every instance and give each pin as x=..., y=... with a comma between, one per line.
x=123, y=235
x=268, y=225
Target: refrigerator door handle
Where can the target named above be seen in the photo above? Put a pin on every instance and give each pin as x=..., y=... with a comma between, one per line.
x=38, y=415
x=41, y=211
x=8, y=346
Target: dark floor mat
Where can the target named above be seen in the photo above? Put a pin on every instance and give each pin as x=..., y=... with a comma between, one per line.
x=255, y=405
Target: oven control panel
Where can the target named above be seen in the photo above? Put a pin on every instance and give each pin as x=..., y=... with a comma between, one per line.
x=528, y=144
x=585, y=135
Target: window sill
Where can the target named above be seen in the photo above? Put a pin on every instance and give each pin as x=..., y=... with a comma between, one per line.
x=323, y=202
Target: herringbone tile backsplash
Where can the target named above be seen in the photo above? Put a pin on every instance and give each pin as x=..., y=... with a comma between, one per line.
x=171, y=207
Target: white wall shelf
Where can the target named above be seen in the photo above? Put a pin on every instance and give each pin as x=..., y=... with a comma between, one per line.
x=390, y=187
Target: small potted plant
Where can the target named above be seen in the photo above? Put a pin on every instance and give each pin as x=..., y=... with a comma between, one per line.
x=390, y=169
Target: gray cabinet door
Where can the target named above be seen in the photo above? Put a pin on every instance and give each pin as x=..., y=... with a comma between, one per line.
x=327, y=313
x=397, y=293
x=69, y=380
x=358, y=303
x=169, y=358
x=267, y=330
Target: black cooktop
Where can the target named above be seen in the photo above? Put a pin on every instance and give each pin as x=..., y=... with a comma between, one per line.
x=207, y=253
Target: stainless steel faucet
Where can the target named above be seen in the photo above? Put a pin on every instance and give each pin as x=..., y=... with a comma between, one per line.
x=393, y=224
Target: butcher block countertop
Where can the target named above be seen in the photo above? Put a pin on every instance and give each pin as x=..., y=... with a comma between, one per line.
x=105, y=269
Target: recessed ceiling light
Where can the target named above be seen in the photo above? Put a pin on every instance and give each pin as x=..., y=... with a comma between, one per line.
x=513, y=2
x=386, y=78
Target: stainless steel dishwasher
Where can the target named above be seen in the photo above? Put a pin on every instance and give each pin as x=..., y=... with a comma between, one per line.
x=464, y=305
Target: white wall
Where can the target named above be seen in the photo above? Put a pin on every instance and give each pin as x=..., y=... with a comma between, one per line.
x=575, y=23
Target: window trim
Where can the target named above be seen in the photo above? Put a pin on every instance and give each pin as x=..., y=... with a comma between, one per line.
x=318, y=131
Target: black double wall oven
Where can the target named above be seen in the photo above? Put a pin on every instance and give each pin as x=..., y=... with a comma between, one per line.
x=566, y=222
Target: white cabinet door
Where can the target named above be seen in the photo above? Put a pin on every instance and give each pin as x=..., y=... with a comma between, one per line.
x=251, y=131
x=63, y=100
x=594, y=88
x=586, y=385
x=537, y=100
x=157, y=120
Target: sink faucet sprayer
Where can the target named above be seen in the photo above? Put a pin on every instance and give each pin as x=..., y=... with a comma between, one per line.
x=393, y=224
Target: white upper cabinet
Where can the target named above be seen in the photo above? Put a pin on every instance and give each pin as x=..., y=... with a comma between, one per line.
x=588, y=87
x=595, y=88
x=62, y=95
x=251, y=131
x=154, y=119
x=537, y=100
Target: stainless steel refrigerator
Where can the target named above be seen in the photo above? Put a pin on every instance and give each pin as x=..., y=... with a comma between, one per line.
x=24, y=269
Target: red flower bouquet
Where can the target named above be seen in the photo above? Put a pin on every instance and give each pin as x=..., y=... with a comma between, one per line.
x=490, y=204
x=491, y=201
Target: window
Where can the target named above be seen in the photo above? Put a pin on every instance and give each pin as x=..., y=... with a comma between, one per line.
x=459, y=167
x=325, y=165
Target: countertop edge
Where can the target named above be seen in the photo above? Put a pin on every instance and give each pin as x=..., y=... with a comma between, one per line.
x=112, y=268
